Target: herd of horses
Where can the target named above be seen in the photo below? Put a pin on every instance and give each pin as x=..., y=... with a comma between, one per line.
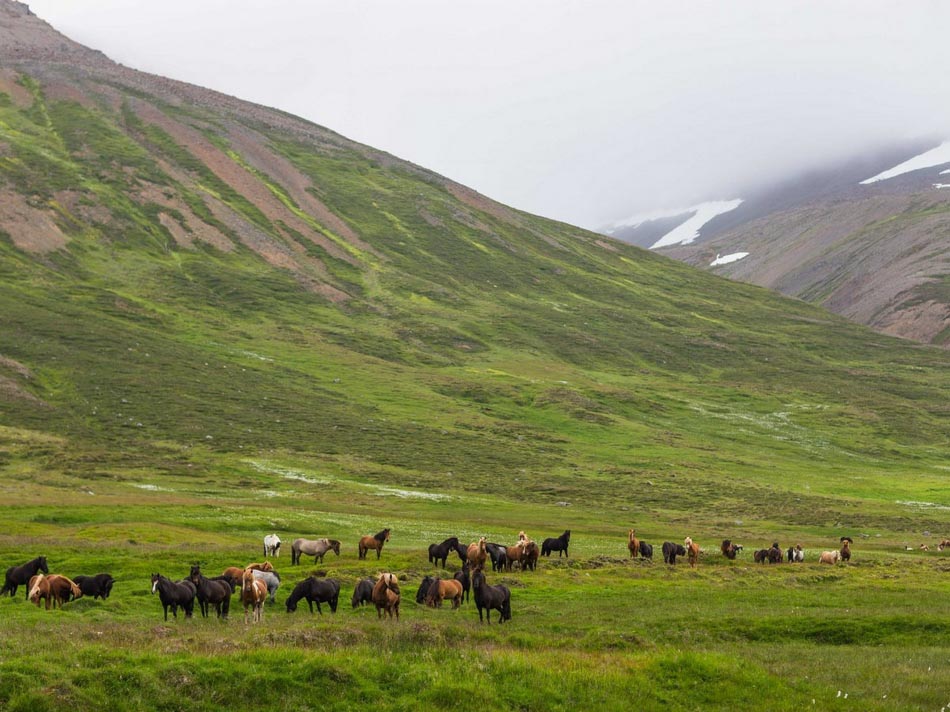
x=257, y=582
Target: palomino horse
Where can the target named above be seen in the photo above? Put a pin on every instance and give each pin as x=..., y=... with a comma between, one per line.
x=373, y=542
x=253, y=593
x=174, y=595
x=386, y=596
x=491, y=597
x=20, y=575
x=313, y=547
x=476, y=554
x=633, y=544
x=271, y=545
x=440, y=589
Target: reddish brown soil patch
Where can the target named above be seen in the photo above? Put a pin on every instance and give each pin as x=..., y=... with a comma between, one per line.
x=31, y=229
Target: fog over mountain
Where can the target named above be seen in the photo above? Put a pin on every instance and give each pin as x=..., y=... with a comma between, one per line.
x=589, y=113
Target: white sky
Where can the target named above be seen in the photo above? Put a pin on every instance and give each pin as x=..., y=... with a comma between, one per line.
x=582, y=111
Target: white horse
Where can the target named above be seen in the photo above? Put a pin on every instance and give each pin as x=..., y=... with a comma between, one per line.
x=271, y=545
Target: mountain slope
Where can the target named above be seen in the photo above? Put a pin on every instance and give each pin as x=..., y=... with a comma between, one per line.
x=876, y=253
x=187, y=280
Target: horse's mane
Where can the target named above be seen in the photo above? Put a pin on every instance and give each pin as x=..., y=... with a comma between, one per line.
x=380, y=536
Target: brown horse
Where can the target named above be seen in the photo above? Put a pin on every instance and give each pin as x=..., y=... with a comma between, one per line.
x=253, y=593
x=266, y=566
x=38, y=588
x=692, y=551
x=529, y=559
x=62, y=589
x=846, y=548
x=373, y=542
x=633, y=544
x=477, y=554
x=440, y=589
x=516, y=554
x=386, y=596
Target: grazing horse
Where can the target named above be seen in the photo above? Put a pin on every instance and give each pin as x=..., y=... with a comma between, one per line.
x=646, y=550
x=362, y=593
x=174, y=594
x=795, y=554
x=386, y=596
x=730, y=550
x=423, y=591
x=829, y=557
x=313, y=547
x=760, y=556
x=633, y=544
x=440, y=589
x=491, y=597
x=671, y=551
x=558, y=544
x=212, y=592
x=315, y=591
x=775, y=554
x=253, y=593
x=477, y=553
x=692, y=552
x=37, y=588
x=373, y=542
x=265, y=566
x=20, y=575
x=846, y=543
x=62, y=589
x=943, y=544
x=96, y=586
x=271, y=545
x=499, y=556
x=441, y=551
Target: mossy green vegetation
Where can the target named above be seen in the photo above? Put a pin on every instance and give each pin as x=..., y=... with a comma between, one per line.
x=466, y=369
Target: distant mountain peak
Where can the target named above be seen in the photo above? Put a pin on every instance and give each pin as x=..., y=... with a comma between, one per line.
x=26, y=37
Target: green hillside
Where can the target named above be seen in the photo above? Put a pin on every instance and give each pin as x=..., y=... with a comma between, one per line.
x=218, y=320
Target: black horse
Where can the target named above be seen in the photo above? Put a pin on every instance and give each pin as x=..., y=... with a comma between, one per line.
x=98, y=586
x=424, y=588
x=441, y=551
x=212, y=592
x=174, y=594
x=558, y=544
x=671, y=551
x=491, y=597
x=499, y=556
x=315, y=591
x=646, y=550
x=20, y=575
x=465, y=579
x=363, y=593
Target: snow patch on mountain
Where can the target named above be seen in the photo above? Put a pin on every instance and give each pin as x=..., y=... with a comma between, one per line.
x=726, y=259
x=688, y=230
x=934, y=157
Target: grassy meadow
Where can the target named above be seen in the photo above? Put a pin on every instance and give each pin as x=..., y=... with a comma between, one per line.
x=253, y=325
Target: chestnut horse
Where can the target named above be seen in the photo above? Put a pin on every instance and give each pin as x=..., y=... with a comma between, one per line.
x=386, y=596
x=37, y=588
x=373, y=542
x=477, y=554
x=846, y=543
x=692, y=551
x=440, y=589
x=253, y=593
x=633, y=544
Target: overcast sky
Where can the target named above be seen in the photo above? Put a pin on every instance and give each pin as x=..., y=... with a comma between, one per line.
x=583, y=111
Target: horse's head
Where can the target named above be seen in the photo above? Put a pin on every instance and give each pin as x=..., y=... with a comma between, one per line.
x=195, y=572
x=335, y=546
x=155, y=579
x=385, y=533
x=42, y=565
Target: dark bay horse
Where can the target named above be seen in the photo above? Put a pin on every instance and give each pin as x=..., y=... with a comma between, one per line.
x=317, y=591
x=373, y=542
x=558, y=544
x=20, y=575
x=313, y=547
x=424, y=586
x=212, y=592
x=174, y=595
x=441, y=551
x=363, y=593
x=464, y=578
x=491, y=597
